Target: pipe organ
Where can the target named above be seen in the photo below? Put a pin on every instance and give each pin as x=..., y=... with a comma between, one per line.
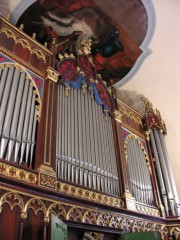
x=85, y=151
x=69, y=146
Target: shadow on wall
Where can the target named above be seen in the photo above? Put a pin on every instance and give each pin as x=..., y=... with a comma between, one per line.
x=133, y=99
x=5, y=9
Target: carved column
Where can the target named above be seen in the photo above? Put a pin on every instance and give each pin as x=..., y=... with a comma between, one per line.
x=46, y=144
x=123, y=171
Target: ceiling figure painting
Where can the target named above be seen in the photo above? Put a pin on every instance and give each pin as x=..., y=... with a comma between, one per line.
x=115, y=43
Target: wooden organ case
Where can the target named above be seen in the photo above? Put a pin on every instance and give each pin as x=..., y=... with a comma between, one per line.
x=70, y=147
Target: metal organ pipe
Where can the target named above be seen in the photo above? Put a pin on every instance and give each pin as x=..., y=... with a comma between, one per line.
x=5, y=100
x=17, y=116
x=91, y=154
x=164, y=171
x=158, y=167
x=3, y=80
x=139, y=174
x=171, y=178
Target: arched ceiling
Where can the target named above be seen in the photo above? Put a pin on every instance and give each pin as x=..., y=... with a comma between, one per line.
x=118, y=30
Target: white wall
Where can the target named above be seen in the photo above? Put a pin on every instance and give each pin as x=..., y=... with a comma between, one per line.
x=159, y=76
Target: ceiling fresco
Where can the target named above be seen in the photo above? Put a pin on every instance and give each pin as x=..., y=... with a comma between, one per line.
x=117, y=29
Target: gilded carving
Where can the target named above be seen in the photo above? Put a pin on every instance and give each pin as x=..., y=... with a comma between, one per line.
x=25, y=44
x=89, y=195
x=57, y=209
x=16, y=173
x=175, y=233
x=147, y=210
x=47, y=180
x=36, y=205
x=89, y=217
x=117, y=115
x=52, y=74
x=130, y=114
x=12, y=199
x=21, y=61
x=72, y=212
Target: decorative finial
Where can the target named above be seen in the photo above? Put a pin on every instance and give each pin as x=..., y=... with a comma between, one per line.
x=34, y=36
x=21, y=27
x=85, y=47
x=45, y=44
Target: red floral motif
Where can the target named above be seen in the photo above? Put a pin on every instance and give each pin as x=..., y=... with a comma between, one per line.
x=37, y=82
x=86, y=67
x=152, y=119
x=68, y=70
x=103, y=94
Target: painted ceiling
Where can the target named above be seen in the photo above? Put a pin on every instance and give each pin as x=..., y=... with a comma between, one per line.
x=117, y=29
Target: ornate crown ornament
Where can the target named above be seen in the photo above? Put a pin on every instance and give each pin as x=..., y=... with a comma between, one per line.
x=85, y=47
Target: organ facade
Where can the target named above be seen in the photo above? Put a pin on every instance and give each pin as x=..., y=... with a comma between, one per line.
x=70, y=147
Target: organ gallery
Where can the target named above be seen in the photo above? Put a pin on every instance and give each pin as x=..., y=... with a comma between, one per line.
x=71, y=151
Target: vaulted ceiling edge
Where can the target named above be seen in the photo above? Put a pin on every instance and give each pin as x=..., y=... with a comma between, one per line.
x=119, y=40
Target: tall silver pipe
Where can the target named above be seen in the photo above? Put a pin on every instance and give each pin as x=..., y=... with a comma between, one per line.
x=76, y=137
x=159, y=175
x=21, y=119
x=11, y=102
x=96, y=155
x=57, y=137
x=164, y=170
x=3, y=81
x=26, y=123
x=141, y=174
x=103, y=180
x=9, y=110
x=5, y=97
x=171, y=178
x=33, y=137
x=63, y=133
x=30, y=127
x=99, y=147
x=69, y=159
x=130, y=167
x=16, y=113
